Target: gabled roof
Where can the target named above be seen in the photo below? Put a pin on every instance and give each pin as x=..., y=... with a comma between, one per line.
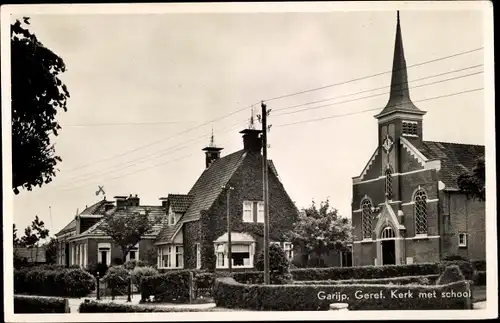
x=155, y=212
x=455, y=159
x=206, y=189
x=179, y=202
x=96, y=208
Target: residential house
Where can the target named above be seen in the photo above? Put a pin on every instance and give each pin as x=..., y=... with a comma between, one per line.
x=196, y=234
x=406, y=205
x=83, y=242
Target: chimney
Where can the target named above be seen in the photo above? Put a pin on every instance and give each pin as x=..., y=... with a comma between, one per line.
x=164, y=201
x=133, y=200
x=252, y=142
x=121, y=202
x=108, y=206
x=212, y=152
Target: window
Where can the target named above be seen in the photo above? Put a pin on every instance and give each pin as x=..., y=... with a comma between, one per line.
x=179, y=257
x=253, y=211
x=420, y=212
x=410, y=128
x=133, y=254
x=366, y=218
x=165, y=257
x=104, y=251
x=171, y=217
x=198, y=255
x=288, y=248
x=388, y=233
x=241, y=255
x=388, y=182
x=221, y=255
x=462, y=239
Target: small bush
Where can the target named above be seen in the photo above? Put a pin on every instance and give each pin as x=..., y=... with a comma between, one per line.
x=230, y=294
x=100, y=268
x=480, y=278
x=131, y=264
x=168, y=287
x=33, y=304
x=96, y=307
x=466, y=267
x=139, y=272
x=364, y=272
x=479, y=265
x=117, y=277
x=278, y=262
x=450, y=275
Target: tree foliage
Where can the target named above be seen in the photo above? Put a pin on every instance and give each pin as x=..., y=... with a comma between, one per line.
x=321, y=229
x=51, y=251
x=473, y=183
x=278, y=262
x=37, y=95
x=128, y=230
x=33, y=234
x=16, y=240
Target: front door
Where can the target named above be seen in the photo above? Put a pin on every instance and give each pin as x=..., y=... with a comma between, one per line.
x=389, y=252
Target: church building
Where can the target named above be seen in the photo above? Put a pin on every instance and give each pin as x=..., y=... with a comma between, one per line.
x=406, y=205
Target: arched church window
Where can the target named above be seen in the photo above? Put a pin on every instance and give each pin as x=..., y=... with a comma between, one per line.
x=388, y=233
x=366, y=218
x=388, y=182
x=420, y=198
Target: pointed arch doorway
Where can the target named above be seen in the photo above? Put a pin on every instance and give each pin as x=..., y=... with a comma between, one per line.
x=388, y=242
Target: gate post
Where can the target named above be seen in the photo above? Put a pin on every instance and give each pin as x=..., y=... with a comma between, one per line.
x=129, y=289
x=98, y=283
x=191, y=287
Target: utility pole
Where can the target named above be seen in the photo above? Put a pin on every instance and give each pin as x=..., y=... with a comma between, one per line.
x=229, y=250
x=265, y=191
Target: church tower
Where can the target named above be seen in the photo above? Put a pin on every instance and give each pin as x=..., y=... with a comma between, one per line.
x=400, y=118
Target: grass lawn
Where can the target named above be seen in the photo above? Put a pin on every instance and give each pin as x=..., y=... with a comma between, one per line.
x=478, y=294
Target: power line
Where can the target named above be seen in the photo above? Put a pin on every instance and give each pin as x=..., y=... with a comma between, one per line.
x=373, y=95
x=125, y=124
x=379, y=88
x=270, y=99
x=375, y=109
x=373, y=75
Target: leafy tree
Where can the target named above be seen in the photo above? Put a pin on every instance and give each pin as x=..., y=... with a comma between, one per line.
x=51, y=251
x=17, y=241
x=473, y=183
x=321, y=229
x=128, y=230
x=37, y=95
x=33, y=235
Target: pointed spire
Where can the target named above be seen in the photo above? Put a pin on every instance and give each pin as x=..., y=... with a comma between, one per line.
x=251, y=124
x=212, y=144
x=399, y=99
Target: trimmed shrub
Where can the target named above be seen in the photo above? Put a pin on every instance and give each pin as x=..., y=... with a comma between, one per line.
x=279, y=266
x=117, y=277
x=364, y=272
x=450, y=275
x=131, y=264
x=63, y=282
x=231, y=294
x=100, y=268
x=33, y=304
x=96, y=307
x=406, y=280
x=139, y=272
x=456, y=258
x=479, y=265
x=480, y=278
x=168, y=287
x=466, y=267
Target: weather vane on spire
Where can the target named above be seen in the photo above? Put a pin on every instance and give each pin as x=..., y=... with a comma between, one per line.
x=212, y=143
x=251, y=124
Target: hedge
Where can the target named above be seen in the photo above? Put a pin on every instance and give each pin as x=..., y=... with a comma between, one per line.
x=57, y=282
x=231, y=294
x=479, y=265
x=365, y=272
x=168, y=287
x=466, y=267
x=405, y=280
x=480, y=278
x=96, y=307
x=32, y=304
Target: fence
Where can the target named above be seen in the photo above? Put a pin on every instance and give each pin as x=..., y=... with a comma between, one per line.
x=124, y=288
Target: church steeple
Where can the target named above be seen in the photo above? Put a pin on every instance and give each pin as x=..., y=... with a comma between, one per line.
x=212, y=152
x=399, y=99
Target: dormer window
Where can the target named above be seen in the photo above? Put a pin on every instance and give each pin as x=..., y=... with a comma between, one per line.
x=410, y=129
x=171, y=217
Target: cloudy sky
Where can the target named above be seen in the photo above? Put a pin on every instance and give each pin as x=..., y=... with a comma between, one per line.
x=142, y=84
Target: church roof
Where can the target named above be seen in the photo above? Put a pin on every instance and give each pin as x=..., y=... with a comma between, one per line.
x=399, y=99
x=455, y=159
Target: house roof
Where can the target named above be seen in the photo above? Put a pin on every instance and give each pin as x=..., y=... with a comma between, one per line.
x=31, y=254
x=96, y=208
x=155, y=212
x=179, y=202
x=455, y=159
x=206, y=189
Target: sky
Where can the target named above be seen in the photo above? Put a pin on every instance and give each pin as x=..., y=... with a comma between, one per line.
x=142, y=84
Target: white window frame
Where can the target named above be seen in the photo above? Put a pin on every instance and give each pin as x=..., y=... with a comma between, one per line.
x=464, y=235
x=248, y=211
x=136, y=249
x=223, y=255
x=104, y=246
x=288, y=248
x=260, y=212
x=198, y=255
x=179, y=250
x=171, y=217
x=170, y=252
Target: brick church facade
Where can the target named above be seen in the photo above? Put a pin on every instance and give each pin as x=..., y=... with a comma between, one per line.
x=406, y=205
